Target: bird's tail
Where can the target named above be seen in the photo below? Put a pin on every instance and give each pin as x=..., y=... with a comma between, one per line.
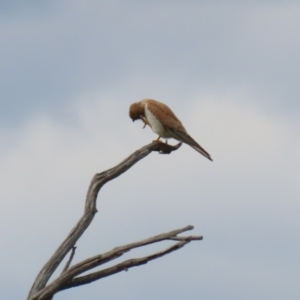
x=185, y=138
x=202, y=151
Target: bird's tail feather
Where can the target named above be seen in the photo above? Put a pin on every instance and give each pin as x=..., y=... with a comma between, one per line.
x=185, y=138
x=202, y=151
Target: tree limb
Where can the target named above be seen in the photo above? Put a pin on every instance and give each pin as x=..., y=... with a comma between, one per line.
x=124, y=266
x=68, y=279
x=90, y=210
x=69, y=260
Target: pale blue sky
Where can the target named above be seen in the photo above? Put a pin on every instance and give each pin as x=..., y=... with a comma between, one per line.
x=70, y=70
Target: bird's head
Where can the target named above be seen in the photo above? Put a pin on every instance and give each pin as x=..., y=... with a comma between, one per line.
x=136, y=111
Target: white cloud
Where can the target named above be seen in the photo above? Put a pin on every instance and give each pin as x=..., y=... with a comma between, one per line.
x=248, y=194
x=229, y=71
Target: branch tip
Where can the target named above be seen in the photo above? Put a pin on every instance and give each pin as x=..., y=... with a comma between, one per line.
x=164, y=148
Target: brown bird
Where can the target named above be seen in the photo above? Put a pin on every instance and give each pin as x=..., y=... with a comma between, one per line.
x=160, y=118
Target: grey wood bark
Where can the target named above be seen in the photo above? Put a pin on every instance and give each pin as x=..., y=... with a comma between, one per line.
x=70, y=277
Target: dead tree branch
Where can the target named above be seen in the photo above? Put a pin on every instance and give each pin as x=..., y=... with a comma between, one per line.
x=69, y=277
x=69, y=260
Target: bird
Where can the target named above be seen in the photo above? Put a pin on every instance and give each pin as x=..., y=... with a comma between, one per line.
x=161, y=119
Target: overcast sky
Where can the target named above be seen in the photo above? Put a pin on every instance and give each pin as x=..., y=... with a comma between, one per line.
x=69, y=71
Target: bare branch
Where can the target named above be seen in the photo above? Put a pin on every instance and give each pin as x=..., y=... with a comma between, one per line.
x=70, y=260
x=124, y=266
x=90, y=210
x=164, y=148
x=68, y=279
x=186, y=238
x=100, y=259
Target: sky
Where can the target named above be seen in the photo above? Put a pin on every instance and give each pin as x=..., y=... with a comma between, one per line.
x=229, y=71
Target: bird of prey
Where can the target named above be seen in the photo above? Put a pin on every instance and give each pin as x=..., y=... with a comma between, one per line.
x=160, y=118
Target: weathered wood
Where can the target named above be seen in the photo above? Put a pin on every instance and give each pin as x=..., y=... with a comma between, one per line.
x=69, y=260
x=90, y=210
x=70, y=278
x=124, y=266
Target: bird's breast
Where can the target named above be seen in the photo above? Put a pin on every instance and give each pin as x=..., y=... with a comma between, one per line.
x=156, y=125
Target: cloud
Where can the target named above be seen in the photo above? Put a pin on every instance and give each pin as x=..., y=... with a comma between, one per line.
x=55, y=52
x=70, y=71
x=241, y=203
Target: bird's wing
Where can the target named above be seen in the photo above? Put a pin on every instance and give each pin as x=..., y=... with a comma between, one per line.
x=186, y=138
x=173, y=125
x=164, y=115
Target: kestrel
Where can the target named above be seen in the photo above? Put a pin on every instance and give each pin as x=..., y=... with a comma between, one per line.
x=160, y=118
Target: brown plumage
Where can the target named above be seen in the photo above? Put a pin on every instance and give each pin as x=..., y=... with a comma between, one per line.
x=163, y=121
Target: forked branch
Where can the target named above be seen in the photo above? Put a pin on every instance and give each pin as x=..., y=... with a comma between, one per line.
x=69, y=277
